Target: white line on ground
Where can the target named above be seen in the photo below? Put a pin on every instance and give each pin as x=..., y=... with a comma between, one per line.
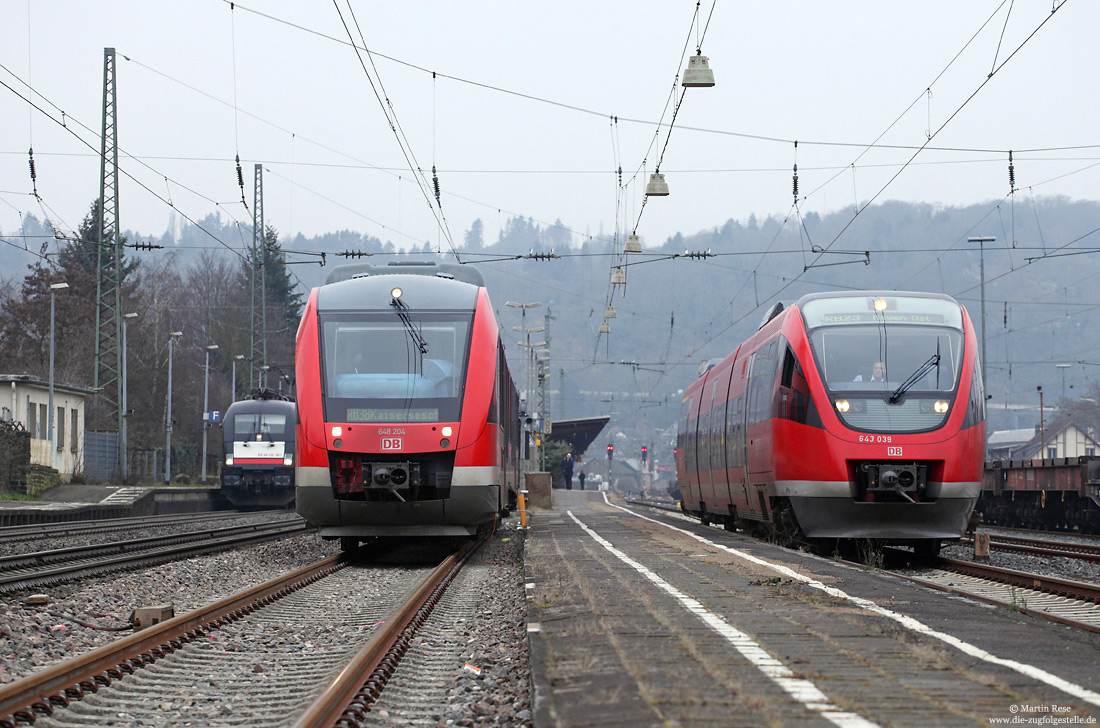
x=906, y=621
x=798, y=688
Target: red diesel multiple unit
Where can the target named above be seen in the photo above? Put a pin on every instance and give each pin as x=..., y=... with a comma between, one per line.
x=408, y=419
x=852, y=415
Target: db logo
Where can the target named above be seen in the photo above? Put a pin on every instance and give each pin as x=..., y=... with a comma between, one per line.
x=890, y=451
x=391, y=443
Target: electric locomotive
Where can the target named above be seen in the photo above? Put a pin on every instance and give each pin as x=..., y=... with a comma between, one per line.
x=849, y=415
x=409, y=422
x=258, y=441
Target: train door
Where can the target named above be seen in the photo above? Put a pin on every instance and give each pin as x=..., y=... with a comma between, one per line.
x=689, y=480
x=736, y=443
x=719, y=460
x=761, y=386
x=703, y=448
x=712, y=458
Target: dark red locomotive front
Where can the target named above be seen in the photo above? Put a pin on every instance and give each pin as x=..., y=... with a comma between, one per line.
x=847, y=415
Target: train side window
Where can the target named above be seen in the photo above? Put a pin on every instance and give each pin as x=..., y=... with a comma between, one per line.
x=715, y=446
x=793, y=400
x=790, y=363
x=494, y=405
x=761, y=383
x=975, y=405
x=735, y=445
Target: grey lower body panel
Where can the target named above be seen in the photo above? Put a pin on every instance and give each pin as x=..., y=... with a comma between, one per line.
x=460, y=514
x=846, y=518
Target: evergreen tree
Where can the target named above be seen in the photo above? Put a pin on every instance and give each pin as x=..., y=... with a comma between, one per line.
x=83, y=251
x=474, y=236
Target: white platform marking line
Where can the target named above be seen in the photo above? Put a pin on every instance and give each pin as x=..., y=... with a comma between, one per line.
x=908, y=622
x=798, y=688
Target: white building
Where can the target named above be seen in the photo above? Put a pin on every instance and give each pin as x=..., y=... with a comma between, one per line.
x=1060, y=439
x=26, y=399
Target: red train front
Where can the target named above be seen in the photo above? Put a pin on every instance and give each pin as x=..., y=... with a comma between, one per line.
x=846, y=416
x=408, y=417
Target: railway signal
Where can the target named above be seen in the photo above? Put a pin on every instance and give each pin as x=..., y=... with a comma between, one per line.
x=645, y=453
x=610, y=452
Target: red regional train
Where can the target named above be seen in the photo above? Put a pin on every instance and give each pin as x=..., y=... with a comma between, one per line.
x=849, y=415
x=408, y=418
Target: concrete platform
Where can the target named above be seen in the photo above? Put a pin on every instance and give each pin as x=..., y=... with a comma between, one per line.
x=657, y=620
x=88, y=502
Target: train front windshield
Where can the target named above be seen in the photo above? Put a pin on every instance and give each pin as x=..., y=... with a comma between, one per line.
x=891, y=364
x=259, y=426
x=382, y=368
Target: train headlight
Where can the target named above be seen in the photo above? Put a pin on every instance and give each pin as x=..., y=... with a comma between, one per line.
x=842, y=405
x=337, y=431
x=880, y=304
x=941, y=406
x=288, y=460
x=447, y=431
x=228, y=459
x=396, y=293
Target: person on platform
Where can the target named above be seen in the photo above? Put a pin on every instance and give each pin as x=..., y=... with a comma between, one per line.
x=567, y=470
x=581, y=479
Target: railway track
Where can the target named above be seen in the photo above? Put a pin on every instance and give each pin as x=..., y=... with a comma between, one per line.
x=308, y=648
x=1042, y=547
x=25, y=571
x=1073, y=603
x=9, y=534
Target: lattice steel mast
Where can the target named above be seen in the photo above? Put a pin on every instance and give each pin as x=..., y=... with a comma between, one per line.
x=259, y=284
x=109, y=256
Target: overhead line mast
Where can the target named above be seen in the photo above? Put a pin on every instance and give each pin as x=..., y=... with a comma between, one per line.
x=109, y=257
x=259, y=284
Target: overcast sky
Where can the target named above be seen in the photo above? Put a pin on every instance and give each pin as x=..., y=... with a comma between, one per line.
x=517, y=120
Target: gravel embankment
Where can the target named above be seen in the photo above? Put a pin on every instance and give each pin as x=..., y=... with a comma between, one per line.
x=1061, y=567
x=35, y=637
x=493, y=638
x=496, y=642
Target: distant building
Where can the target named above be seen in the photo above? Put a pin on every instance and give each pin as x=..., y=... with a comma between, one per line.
x=26, y=400
x=1002, y=443
x=1060, y=439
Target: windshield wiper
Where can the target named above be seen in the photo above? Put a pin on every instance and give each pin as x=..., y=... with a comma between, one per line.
x=403, y=313
x=933, y=361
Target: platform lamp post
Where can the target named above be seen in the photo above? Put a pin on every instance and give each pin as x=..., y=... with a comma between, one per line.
x=542, y=365
x=981, y=240
x=124, y=452
x=236, y=359
x=1042, y=423
x=168, y=444
x=206, y=407
x=54, y=288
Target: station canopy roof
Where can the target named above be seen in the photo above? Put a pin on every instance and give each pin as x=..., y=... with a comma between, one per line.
x=579, y=433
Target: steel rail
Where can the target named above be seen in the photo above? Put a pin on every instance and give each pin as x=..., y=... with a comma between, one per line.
x=348, y=697
x=114, y=561
x=1042, y=547
x=72, y=553
x=79, y=528
x=1083, y=591
x=1044, y=584
x=38, y=694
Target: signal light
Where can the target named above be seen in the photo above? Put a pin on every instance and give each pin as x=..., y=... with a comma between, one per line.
x=610, y=451
x=645, y=453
